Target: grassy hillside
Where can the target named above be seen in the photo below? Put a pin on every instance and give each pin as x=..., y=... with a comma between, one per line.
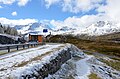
x=110, y=37
x=101, y=46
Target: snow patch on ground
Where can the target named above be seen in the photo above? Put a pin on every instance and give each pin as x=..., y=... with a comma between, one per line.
x=9, y=63
x=82, y=68
x=101, y=69
x=75, y=68
x=78, y=67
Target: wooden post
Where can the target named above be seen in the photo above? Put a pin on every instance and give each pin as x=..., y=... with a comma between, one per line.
x=23, y=47
x=8, y=49
x=28, y=45
x=17, y=47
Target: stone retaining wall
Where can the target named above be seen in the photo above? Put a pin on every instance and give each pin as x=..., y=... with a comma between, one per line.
x=50, y=68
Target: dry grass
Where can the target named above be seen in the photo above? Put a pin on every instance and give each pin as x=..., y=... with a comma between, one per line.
x=2, y=53
x=100, y=46
x=93, y=76
x=112, y=63
x=87, y=52
x=104, y=47
x=34, y=59
x=38, y=57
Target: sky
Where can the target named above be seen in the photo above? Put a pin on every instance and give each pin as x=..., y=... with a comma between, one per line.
x=58, y=13
x=37, y=9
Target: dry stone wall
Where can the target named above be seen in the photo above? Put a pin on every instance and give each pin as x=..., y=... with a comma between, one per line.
x=50, y=68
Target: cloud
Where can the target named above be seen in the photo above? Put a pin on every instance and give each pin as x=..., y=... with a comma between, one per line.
x=7, y=1
x=17, y=22
x=10, y=2
x=14, y=13
x=75, y=6
x=23, y=2
x=1, y=7
x=51, y=2
x=78, y=22
x=111, y=9
x=107, y=11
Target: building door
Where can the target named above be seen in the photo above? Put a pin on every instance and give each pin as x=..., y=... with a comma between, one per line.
x=34, y=38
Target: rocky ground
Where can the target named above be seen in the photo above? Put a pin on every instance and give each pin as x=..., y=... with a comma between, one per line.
x=81, y=68
x=28, y=63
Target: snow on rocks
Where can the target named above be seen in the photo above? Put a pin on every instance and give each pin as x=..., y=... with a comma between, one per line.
x=101, y=69
x=75, y=68
x=57, y=61
x=12, y=61
x=26, y=63
x=76, y=52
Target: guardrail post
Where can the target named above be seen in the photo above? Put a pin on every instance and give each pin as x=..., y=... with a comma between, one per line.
x=23, y=47
x=28, y=45
x=8, y=49
x=34, y=45
x=17, y=47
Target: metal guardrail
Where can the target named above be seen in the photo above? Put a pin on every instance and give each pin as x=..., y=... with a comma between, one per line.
x=18, y=46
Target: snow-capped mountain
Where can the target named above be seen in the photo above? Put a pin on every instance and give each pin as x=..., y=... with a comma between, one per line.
x=101, y=28
x=37, y=28
x=32, y=28
x=98, y=28
x=64, y=30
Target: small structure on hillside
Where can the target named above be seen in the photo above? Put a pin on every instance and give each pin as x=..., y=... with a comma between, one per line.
x=39, y=37
x=35, y=38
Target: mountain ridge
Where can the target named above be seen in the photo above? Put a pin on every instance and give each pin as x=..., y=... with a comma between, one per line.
x=95, y=29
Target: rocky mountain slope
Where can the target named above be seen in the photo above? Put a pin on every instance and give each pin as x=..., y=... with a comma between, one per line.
x=110, y=37
x=95, y=29
x=102, y=28
x=32, y=28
